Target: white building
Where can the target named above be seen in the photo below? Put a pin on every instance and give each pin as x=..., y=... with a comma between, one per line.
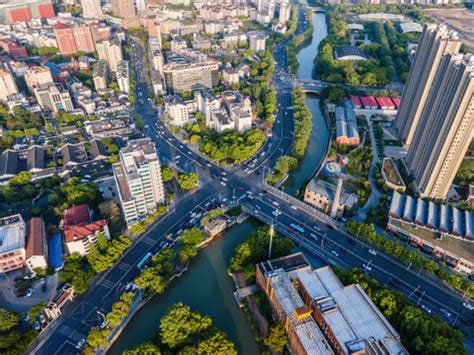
x=138, y=179
x=111, y=52
x=12, y=243
x=53, y=98
x=7, y=85
x=35, y=76
x=123, y=76
x=91, y=9
x=177, y=111
x=257, y=41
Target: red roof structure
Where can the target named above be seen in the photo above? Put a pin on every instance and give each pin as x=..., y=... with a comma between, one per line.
x=34, y=241
x=396, y=102
x=356, y=101
x=83, y=230
x=76, y=215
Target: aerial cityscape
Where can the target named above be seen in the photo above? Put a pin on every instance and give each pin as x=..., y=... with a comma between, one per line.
x=246, y=177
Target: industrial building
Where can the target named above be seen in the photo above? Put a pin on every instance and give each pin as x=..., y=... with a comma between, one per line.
x=346, y=125
x=320, y=314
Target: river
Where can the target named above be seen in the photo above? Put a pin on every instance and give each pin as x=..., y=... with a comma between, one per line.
x=206, y=287
x=320, y=132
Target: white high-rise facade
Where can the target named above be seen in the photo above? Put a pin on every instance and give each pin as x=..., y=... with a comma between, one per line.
x=138, y=179
x=110, y=51
x=7, y=85
x=91, y=9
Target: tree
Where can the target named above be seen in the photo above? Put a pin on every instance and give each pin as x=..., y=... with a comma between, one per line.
x=216, y=344
x=189, y=181
x=179, y=324
x=276, y=338
x=144, y=348
x=102, y=242
x=98, y=338
x=166, y=173
x=8, y=320
x=35, y=310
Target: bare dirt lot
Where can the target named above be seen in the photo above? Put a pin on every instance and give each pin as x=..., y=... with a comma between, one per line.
x=460, y=20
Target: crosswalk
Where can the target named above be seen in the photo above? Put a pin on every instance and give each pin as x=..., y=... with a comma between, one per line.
x=148, y=241
x=70, y=333
x=107, y=283
x=123, y=266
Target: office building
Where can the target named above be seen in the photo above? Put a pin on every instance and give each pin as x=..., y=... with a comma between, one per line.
x=138, y=180
x=81, y=231
x=53, y=97
x=99, y=75
x=36, y=75
x=445, y=128
x=435, y=42
x=7, y=85
x=23, y=11
x=91, y=9
x=111, y=52
x=123, y=76
x=320, y=314
x=190, y=76
x=12, y=243
x=36, y=245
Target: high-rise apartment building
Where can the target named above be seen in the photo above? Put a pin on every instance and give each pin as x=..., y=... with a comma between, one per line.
x=126, y=10
x=445, y=127
x=91, y=9
x=25, y=10
x=123, y=76
x=111, y=52
x=7, y=85
x=435, y=42
x=72, y=39
x=138, y=179
x=190, y=76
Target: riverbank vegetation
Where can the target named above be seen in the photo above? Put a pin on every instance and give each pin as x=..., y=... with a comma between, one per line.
x=12, y=340
x=303, y=124
x=391, y=247
x=283, y=166
x=297, y=43
x=255, y=249
x=183, y=331
x=420, y=333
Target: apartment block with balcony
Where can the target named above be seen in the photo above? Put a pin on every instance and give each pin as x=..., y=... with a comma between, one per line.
x=12, y=243
x=138, y=180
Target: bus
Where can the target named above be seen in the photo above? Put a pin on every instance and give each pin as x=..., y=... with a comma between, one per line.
x=296, y=227
x=144, y=260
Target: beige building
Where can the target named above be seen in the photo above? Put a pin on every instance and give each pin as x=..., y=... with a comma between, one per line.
x=321, y=195
x=257, y=41
x=111, y=52
x=12, y=243
x=7, y=85
x=53, y=97
x=445, y=127
x=190, y=76
x=123, y=76
x=35, y=76
x=176, y=111
x=99, y=75
x=36, y=245
x=138, y=180
x=215, y=227
x=435, y=42
x=91, y=9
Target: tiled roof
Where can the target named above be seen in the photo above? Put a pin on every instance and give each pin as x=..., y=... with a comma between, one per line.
x=34, y=241
x=81, y=231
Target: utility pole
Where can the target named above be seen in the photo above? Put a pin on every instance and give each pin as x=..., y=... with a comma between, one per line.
x=272, y=230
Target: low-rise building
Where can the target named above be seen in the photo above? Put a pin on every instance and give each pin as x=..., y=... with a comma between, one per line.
x=12, y=243
x=36, y=245
x=320, y=314
x=215, y=227
x=346, y=125
x=230, y=76
x=257, y=41
x=123, y=76
x=109, y=127
x=80, y=231
x=53, y=98
x=321, y=194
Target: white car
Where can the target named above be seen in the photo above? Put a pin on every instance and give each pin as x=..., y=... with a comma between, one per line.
x=333, y=252
x=223, y=183
x=373, y=252
x=367, y=267
x=274, y=203
x=29, y=292
x=294, y=207
x=426, y=309
x=80, y=343
x=468, y=306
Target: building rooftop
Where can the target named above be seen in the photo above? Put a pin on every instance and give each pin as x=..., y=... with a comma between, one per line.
x=12, y=233
x=76, y=214
x=328, y=190
x=287, y=263
x=350, y=51
x=35, y=242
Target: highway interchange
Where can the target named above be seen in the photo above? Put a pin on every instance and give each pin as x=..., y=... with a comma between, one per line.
x=322, y=237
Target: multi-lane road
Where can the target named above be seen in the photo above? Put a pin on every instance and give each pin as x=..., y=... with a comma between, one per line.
x=318, y=235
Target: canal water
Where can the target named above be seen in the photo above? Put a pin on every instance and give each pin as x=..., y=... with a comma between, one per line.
x=206, y=287
x=320, y=132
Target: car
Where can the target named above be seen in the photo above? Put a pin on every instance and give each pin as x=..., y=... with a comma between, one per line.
x=426, y=309
x=468, y=306
x=373, y=252
x=209, y=165
x=294, y=207
x=344, y=250
x=80, y=343
x=42, y=319
x=275, y=203
x=103, y=324
x=445, y=313
x=223, y=183
x=37, y=326
x=367, y=267
x=240, y=188
x=29, y=292
x=26, y=318
x=335, y=253
x=224, y=179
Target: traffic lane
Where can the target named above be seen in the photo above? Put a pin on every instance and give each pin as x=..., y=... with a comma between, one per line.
x=379, y=265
